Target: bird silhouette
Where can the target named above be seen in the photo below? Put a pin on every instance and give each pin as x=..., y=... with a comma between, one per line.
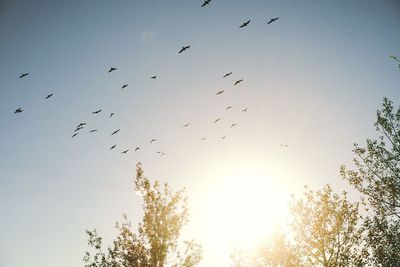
x=153, y=77
x=161, y=153
x=137, y=148
x=226, y=75
x=238, y=81
x=233, y=125
x=18, y=110
x=206, y=2
x=112, y=69
x=244, y=110
x=183, y=49
x=48, y=96
x=123, y=86
x=23, y=75
x=112, y=114
x=153, y=140
x=75, y=134
x=204, y=138
x=272, y=20
x=96, y=112
x=125, y=151
x=81, y=124
x=244, y=24
x=111, y=148
x=220, y=92
x=228, y=107
x=284, y=145
x=223, y=137
x=217, y=120
x=186, y=125
x=78, y=129
x=116, y=131
x=92, y=131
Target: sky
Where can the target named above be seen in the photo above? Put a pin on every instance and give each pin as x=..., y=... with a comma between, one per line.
x=312, y=80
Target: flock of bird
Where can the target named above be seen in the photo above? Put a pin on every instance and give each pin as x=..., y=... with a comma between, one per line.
x=82, y=125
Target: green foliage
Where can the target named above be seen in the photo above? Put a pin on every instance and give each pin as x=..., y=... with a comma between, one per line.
x=325, y=228
x=377, y=178
x=156, y=243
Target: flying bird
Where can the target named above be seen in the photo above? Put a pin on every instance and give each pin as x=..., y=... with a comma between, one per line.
x=96, y=112
x=81, y=124
x=48, y=96
x=217, y=120
x=161, y=153
x=204, y=138
x=111, y=148
x=284, y=145
x=116, y=131
x=183, y=49
x=137, y=148
x=23, y=75
x=112, y=114
x=238, y=81
x=272, y=20
x=206, y=2
x=244, y=24
x=228, y=107
x=123, y=86
x=153, y=77
x=223, y=137
x=92, y=131
x=233, y=125
x=125, y=151
x=78, y=128
x=18, y=110
x=226, y=75
x=75, y=134
x=112, y=69
x=220, y=92
x=153, y=140
x=244, y=110
x=186, y=125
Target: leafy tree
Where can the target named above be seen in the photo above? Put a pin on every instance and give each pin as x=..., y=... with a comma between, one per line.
x=325, y=229
x=156, y=243
x=377, y=178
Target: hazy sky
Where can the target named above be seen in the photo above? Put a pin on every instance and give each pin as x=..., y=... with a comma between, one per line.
x=312, y=80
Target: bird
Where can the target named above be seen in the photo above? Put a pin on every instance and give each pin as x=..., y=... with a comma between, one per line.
x=226, y=75
x=112, y=114
x=48, y=96
x=137, y=148
x=217, y=120
x=92, y=131
x=186, y=125
x=96, y=112
x=23, y=75
x=238, y=81
x=220, y=92
x=244, y=110
x=228, y=107
x=112, y=69
x=233, y=125
x=161, y=153
x=123, y=86
x=153, y=140
x=283, y=145
x=223, y=137
x=116, y=131
x=75, y=134
x=111, y=148
x=125, y=151
x=272, y=20
x=206, y=2
x=18, y=110
x=204, y=138
x=153, y=77
x=81, y=124
x=244, y=24
x=78, y=129
x=183, y=49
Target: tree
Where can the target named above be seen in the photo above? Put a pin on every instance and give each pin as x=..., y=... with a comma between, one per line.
x=325, y=229
x=377, y=178
x=156, y=243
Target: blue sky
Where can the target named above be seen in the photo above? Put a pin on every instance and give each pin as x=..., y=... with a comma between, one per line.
x=312, y=80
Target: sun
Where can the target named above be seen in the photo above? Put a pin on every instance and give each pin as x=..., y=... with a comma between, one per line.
x=241, y=209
